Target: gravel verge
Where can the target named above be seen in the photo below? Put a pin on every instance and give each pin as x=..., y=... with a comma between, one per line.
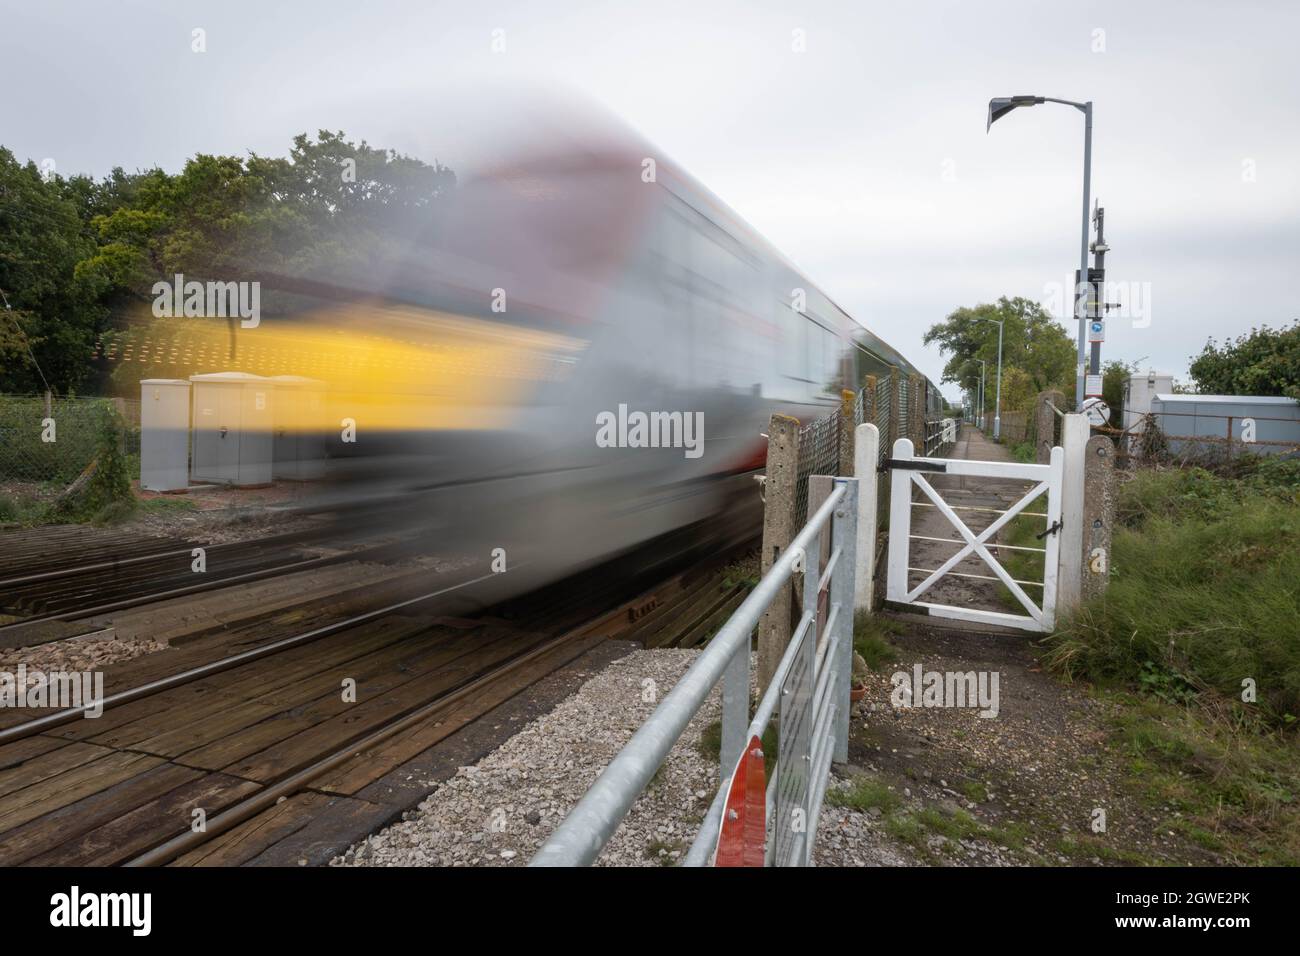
x=499, y=811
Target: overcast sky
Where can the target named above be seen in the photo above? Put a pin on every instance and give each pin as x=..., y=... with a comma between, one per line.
x=863, y=158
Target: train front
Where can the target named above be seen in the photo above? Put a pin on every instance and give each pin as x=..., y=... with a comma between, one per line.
x=445, y=366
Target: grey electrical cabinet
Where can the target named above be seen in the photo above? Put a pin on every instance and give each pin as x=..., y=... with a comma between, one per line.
x=299, y=447
x=233, y=421
x=164, y=434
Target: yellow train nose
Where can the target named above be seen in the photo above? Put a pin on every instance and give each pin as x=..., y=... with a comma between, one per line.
x=386, y=368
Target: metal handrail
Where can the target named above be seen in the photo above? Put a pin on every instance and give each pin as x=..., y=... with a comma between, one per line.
x=580, y=837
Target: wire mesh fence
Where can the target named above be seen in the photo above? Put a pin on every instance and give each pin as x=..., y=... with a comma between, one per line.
x=819, y=454
x=53, y=440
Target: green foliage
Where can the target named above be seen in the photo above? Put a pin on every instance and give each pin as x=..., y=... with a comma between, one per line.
x=1025, y=453
x=1263, y=361
x=1203, y=591
x=871, y=635
x=1114, y=376
x=1227, y=783
x=1037, y=352
x=863, y=793
x=76, y=254
x=106, y=497
x=52, y=310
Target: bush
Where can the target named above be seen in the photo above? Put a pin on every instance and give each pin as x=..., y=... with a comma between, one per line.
x=106, y=496
x=1203, y=591
x=1025, y=453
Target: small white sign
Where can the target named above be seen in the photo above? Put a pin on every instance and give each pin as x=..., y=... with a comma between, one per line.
x=1098, y=412
x=1097, y=330
x=1092, y=386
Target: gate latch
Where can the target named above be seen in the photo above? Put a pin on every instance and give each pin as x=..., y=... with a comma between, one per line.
x=1056, y=526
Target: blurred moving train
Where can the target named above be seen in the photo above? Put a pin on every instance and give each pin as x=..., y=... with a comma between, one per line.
x=583, y=278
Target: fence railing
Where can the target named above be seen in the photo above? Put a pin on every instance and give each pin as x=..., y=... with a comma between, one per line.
x=940, y=436
x=809, y=695
x=54, y=439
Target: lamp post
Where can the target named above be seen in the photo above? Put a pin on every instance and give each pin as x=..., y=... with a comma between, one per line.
x=997, y=406
x=1000, y=107
x=983, y=365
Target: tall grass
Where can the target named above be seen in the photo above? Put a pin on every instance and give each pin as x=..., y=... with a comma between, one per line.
x=1204, y=590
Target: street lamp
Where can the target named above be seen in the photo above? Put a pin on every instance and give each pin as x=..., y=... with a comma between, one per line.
x=1000, y=107
x=997, y=407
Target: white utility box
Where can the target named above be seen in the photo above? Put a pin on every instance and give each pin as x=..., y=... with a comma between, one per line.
x=233, y=422
x=164, y=434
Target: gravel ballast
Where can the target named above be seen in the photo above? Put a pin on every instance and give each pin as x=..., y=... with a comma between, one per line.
x=499, y=811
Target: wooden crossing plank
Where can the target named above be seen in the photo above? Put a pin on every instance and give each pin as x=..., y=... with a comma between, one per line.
x=49, y=763
x=47, y=832
x=147, y=825
x=351, y=721
x=70, y=786
x=240, y=844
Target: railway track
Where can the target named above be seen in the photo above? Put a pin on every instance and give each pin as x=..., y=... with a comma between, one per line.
x=240, y=744
x=38, y=603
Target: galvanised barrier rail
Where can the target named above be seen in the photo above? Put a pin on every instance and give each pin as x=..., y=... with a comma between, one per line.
x=809, y=695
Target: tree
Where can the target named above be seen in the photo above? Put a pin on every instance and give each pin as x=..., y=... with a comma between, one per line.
x=77, y=255
x=1263, y=361
x=1032, y=342
x=53, y=314
x=1114, y=376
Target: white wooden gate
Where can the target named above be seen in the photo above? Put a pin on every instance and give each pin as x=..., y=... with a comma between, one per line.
x=909, y=472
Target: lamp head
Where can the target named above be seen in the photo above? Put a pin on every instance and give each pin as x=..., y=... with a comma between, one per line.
x=1000, y=106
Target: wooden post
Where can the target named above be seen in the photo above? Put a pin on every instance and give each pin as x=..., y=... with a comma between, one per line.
x=1045, y=424
x=869, y=400
x=778, y=532
x=847, y=400
x=866, y=448
x=1069, y=585
x=1098, y=513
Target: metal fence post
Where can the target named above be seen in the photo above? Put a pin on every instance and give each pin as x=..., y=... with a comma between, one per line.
x=844, y=533
x=866, y=451
x=778, y=530
x=735, y=711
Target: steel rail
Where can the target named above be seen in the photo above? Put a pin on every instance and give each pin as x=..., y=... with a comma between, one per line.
x=272, y=794
x=157, y=556
x=209, y=585
x=28, y=728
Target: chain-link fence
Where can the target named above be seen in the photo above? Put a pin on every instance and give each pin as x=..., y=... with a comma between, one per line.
x=819, y=454
x=53, y=440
